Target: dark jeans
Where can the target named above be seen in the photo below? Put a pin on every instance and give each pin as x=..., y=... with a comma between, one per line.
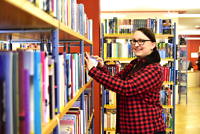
x=162, y=132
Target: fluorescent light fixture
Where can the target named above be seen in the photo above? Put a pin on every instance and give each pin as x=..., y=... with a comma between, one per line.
x=112, y=15
x=192, y=38
x=182, y=15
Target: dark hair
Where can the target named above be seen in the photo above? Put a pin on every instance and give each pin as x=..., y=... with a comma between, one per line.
x=154, y=57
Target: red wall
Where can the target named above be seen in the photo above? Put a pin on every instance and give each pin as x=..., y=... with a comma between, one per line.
x=193, y=46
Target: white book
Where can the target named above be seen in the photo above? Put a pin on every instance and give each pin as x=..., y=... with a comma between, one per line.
x=46, y=89
x=81, y=113
x=105, y=120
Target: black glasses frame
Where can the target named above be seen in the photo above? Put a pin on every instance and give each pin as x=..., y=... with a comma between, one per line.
x=140, y=42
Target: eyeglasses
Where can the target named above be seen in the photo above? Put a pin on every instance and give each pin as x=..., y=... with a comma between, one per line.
x=140, y=41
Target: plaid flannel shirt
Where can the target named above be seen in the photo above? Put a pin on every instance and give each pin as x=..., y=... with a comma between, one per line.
x=138, y=108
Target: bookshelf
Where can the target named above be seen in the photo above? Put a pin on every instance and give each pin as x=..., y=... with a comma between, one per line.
x=111, y=61
x=23, y=21
x=129, y=36
x=183, y=69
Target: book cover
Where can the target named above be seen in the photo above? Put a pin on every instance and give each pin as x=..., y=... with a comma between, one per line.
x=27, y=100
x=8, y=92
x=15, y=91
x=166, y=26
x=37, y=92
x=21, y=92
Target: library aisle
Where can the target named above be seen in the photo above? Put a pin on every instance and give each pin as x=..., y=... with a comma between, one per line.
x=187, y=120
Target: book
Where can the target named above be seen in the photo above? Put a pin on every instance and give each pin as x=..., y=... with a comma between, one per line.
x=37, y=92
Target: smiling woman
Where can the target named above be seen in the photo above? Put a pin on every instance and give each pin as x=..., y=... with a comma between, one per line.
x=137, y=86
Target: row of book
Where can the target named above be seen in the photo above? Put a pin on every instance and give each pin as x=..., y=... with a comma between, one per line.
x=29, y=89
x=110, y=96
x=166, y=96
x=168, y=73
x=70, y=14
x=124, y=50
x=129, y=26
x=5, y=46
x=73, y=121
x=168, y=120
x=117, y=50
x=110, y=120
x=165, y=50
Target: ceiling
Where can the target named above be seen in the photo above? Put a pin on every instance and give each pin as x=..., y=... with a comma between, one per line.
x=135, y=8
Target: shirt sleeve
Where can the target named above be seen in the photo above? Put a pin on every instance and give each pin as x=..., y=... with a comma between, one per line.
x=142, y=82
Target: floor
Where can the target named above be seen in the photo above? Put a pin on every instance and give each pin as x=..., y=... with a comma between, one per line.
x=187, y=117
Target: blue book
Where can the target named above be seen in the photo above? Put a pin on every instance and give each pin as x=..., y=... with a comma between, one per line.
x=108, y=50
x=163, y=114
x=81, y=16
x=72, y=12
x=37, y=93
x=160, y=26
x=2, y=91
x=104, y=96
x=172, y=74
x=8, y=88
x=129, y=50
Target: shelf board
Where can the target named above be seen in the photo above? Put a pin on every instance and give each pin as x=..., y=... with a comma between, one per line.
x=167, y=107
x=167, y=59
x=130, y=59
x=130, y=36
x=183, y=45
x=168, y=83
x=109, y=129
x=119, y=59
x=89, y=122
x=110, y=106
x=52, y=124
x=169, y=130
x=23, y=14
x=66, y=33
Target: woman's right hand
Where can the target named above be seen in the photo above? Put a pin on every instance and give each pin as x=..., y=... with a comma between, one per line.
x=100, y=63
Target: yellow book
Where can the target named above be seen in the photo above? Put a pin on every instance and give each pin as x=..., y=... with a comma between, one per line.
x=105, y=50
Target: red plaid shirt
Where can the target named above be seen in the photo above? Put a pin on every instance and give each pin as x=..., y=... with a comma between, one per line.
x=138, y=105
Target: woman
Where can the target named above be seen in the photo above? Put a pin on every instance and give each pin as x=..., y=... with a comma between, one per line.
x=137, y=85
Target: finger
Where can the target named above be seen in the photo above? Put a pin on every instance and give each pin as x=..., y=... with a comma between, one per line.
x=86, y=60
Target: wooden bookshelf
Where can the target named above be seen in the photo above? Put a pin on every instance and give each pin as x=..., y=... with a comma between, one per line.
x=24, y=15
x=89, y=122
x=52, y=124
x=167, y=107
x=168, y=83
x=130, y=36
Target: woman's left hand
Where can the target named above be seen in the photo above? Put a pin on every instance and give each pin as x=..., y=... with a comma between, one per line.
x=89, y=63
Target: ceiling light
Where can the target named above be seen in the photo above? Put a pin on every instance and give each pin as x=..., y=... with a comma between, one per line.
x=197, y=26
x=182, y=15
x=112, y=15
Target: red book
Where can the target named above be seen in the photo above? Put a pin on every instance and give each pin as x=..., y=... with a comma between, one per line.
x=21, y=93
x=169, y=96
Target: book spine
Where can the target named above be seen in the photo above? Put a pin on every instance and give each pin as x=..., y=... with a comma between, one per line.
x=37, y=93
